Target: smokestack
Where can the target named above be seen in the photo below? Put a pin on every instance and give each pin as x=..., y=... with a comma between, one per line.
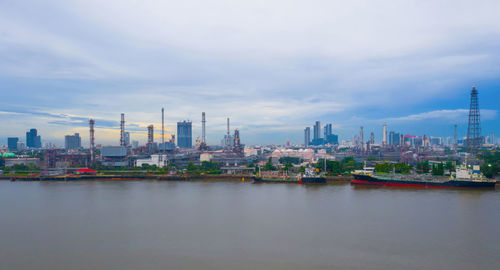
x=384, y=135
x=362, y=139
x=162, y=129
x=203, y=137
x=92, y=158
x=228, y=141
x=456, y=142
x=122, y=130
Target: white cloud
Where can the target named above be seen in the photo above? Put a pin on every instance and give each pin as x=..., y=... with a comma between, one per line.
x=457, y=114
x=269, y=65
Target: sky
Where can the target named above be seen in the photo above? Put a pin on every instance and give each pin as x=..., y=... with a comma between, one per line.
x=274, y=67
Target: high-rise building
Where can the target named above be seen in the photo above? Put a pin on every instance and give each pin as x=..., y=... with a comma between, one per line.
x=394, y=138
x=72, y=142
x=327, y=130
x=384, y=135
x=32, y=139
x=317, y=131
x=12, y=143
x=184, y=134
x=372, y=138
x=307, y=136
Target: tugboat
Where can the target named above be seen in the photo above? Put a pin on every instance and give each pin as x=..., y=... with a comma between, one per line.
x=465, y=176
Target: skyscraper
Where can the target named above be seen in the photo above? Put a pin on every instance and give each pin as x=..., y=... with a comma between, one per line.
x=317, y=131
x=327, y=130
x=307, y=136
x=184, y=134
x=150, y=143
x=12, y=143
x=72, y=142
x=32, y=139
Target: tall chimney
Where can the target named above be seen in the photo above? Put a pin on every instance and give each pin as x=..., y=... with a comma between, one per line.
x=92, y=158
x=203, y=135
x=362, y=139
x=384, y=135
x=162, y=129
x=228, y=139
x=122, y=130
x=455, y=142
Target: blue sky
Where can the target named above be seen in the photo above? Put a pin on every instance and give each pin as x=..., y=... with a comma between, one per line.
x=273, y=67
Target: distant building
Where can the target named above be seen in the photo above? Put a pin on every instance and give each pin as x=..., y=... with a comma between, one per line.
x=135, y=144
x=114, y=156
x=317, y=131
x=435, y=141
x=167, y=146
x=33, y=140
x=394, y=138
x=332, y=139
x=327, y=130
x=307, y=136
x=21, y=146
x=184, y=134
x=492, y=138
x=12, y=143
x=227, y=139
x=72, y=142
x=126, y=138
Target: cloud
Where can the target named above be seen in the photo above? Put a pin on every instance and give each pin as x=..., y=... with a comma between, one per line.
x=269, y=65
x=457, y=115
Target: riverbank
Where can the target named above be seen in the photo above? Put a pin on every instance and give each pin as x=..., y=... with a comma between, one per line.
x=215, y=178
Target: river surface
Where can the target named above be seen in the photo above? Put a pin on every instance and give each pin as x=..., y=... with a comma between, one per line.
x=230, y=225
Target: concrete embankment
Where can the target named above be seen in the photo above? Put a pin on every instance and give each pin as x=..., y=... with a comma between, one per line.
x=214, y=178
x=130, y=177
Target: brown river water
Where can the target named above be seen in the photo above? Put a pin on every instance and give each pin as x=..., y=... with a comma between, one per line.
x=232, y=225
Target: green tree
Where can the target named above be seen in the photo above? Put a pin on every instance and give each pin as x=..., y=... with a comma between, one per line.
x=489, y=170
x=384, y=167
x=450, y=166
x=269, y=167
x=191, y=167
x=423, y=167
x=293, y=160
x=438, y=169
x=402, y=168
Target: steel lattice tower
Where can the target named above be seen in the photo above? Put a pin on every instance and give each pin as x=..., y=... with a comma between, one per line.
x=474, y=139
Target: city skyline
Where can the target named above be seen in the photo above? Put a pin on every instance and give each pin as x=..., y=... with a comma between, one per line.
x=297, y=65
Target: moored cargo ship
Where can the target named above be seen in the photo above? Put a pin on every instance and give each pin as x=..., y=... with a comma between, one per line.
x=464, y=177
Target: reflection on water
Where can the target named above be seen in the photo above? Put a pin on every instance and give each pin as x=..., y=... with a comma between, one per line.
x=233, y=225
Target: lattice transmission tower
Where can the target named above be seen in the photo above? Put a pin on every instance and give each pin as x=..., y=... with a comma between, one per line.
x=474, y=139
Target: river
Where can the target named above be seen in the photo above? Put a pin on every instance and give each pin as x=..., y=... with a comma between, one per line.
x=231, y=225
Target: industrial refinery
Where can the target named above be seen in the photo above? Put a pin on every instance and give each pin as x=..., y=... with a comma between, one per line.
x=181, y=152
